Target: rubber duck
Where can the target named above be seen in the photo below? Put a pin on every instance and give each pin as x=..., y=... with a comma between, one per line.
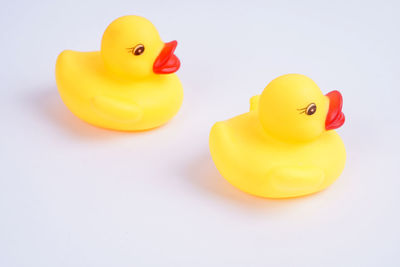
x=285, y=146
x=128, y=85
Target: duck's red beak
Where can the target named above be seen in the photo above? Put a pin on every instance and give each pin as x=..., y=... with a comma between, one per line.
x=167, y=62
x=335, y=117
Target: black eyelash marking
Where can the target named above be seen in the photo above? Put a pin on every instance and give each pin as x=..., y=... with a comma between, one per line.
x=303, y=110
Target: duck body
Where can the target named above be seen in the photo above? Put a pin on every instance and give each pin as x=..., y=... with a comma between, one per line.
x=98, y=97
x=260, y=163
x=129, y=85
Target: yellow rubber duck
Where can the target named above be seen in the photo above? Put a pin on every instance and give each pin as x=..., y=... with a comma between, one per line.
x=129, y=84
x=285, y=146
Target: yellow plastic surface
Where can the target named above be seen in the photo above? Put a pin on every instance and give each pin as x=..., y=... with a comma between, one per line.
x=274, y=150
x=115, y=89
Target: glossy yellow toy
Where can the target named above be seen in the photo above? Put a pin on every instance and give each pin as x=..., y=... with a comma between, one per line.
x=285, y=146
x=129, y=84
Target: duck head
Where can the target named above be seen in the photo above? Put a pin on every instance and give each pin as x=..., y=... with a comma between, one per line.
x=292, y=108
x=132, y=48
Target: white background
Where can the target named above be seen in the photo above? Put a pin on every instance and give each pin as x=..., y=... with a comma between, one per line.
x=75, y=195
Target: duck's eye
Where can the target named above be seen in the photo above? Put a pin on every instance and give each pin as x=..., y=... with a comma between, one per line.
x=311, y=109
x=138, y=50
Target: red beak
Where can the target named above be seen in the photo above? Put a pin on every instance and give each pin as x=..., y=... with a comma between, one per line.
x=167, y=62
x=335, y=117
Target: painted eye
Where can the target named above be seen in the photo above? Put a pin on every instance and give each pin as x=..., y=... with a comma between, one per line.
x=311, y=109
x=138, y=50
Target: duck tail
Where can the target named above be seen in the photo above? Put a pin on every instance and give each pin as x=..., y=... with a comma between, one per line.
x=254, y=102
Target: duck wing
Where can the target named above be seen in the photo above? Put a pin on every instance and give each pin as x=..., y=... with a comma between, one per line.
x=292, y=181
x=117, y=109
